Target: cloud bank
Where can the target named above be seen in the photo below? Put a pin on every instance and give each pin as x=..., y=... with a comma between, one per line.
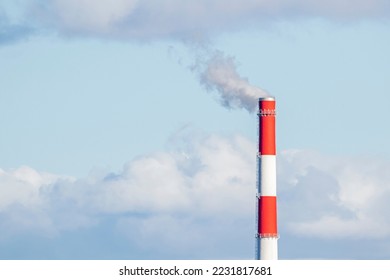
x=179, y=196
x=347, y=197
x=197, y=198
x=149, y=20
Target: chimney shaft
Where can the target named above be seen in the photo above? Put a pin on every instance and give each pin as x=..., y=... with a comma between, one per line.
x=267, y=232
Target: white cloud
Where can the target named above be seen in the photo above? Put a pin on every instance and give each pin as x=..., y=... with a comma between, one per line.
x=90, y=15
x=22, y=186
x=149, y=19
x=22, y=203
x=200, y=190
x=196, y=185
x=335, y=197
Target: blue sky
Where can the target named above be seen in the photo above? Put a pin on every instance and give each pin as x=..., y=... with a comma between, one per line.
x=120, y=139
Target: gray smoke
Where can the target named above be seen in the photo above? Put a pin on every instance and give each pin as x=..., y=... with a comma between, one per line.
x=219, y=73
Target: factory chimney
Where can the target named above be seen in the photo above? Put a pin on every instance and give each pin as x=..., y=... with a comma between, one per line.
x=267, y=232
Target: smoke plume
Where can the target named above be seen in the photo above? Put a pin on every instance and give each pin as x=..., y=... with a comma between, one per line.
x=219, y=73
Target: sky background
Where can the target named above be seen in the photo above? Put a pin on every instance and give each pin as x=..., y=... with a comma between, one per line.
x=121, y=136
